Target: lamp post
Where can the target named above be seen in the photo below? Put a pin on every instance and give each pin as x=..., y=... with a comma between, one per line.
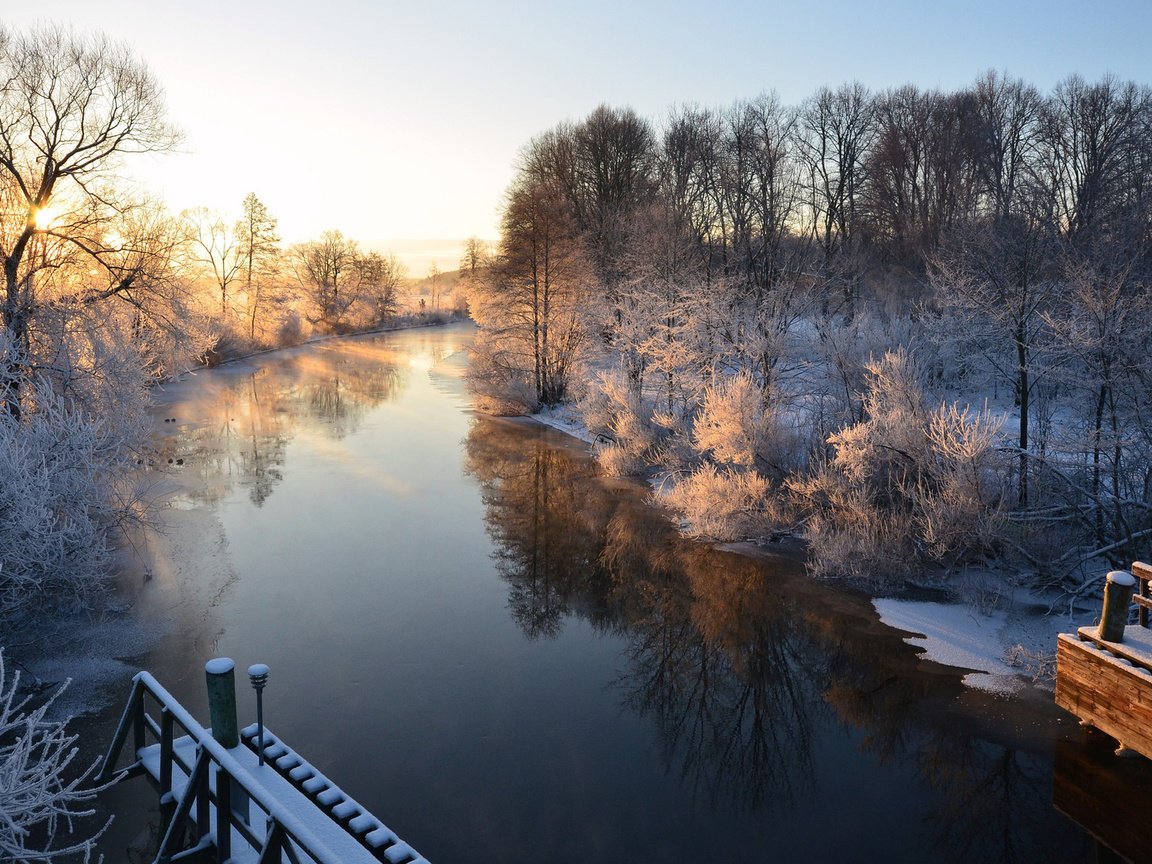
x=258, y=675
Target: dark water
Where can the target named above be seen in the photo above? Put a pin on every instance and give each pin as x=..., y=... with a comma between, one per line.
x=509, y=659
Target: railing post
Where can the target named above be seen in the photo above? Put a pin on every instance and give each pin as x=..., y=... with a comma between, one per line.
x=1117, y=598
x=139, y=726
x=1142, y=614
x=203, y=796
x=223, y=814
x=273, y=844
x=167, y=804
x=135, y=698
x=197, y=788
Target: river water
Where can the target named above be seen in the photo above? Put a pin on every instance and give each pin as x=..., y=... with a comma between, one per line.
x=509, y=659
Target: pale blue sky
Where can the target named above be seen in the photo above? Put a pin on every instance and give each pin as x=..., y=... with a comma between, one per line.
x=403, y=120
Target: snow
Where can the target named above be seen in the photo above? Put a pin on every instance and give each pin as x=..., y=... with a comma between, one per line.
x=219, y=666
x=566, y=419
x=1122, y=577
x=983, y=641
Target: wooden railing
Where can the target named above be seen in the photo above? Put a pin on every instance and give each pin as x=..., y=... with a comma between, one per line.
x=1143, y=597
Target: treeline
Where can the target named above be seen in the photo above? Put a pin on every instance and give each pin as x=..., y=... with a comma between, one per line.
x=907, y=322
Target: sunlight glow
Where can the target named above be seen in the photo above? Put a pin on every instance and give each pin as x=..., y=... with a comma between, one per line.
x=47, y=217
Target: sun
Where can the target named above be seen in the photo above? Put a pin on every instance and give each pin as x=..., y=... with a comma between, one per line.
x=47, y=217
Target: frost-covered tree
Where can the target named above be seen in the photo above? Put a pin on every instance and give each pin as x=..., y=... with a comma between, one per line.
x=259, y=249
x=1099, y=335
x=92, y=304
x=995, y=286
x=71, y=107
x=907, y=486
x=65, y=490
x=42, y=794
x=216, y=247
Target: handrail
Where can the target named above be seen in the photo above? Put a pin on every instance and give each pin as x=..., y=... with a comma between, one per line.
x=1143, y=572
x=285, y=824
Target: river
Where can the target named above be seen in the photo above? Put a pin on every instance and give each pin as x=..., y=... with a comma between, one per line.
x=508, y=658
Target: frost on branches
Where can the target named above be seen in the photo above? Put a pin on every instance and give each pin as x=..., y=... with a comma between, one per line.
x=907, y=485
x=64, y=489
x=39, y=804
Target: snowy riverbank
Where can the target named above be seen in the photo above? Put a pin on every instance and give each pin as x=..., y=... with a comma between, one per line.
x=1005, y=637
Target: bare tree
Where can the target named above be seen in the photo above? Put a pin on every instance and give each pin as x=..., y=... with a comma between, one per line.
x=327, y=272
x=1092, y=134
x=215, y=246
x=535, y=305
x=835, y=132
x=380, y=279
x=70, y=108
x=475, y=254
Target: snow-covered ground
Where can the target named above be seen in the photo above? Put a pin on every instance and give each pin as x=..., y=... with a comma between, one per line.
x=1007, y=647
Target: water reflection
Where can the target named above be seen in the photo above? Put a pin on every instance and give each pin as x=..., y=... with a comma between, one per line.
x=765, y=688
x=245, y=417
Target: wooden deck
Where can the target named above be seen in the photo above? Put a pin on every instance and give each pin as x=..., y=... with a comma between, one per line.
x=1108, y=685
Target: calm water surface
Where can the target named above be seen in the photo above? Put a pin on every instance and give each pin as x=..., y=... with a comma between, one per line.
x=508, y=659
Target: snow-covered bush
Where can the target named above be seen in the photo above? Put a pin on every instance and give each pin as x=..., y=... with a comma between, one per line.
x=62, y=492
x=626, y=430
x=722, y=504
x=39, y=800
x=962, y=498
x=906, y=485
x=739, y=426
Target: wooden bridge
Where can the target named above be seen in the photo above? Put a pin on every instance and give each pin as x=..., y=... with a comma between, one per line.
x=1104, y=673
x=227, y=804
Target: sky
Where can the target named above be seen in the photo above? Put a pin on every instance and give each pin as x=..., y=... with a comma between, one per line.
x=400, y=123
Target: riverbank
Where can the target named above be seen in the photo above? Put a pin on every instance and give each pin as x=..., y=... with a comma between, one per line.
x=1001, y=635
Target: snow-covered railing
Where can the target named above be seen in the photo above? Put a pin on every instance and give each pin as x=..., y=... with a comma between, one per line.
x=212, y=788
x=341, y=807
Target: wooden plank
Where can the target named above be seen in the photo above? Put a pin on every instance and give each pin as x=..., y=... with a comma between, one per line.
x=1142, y=571
x=1105, y=692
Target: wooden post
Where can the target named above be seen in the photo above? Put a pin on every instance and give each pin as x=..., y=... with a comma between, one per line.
x=221, y=675
x=1117, y=598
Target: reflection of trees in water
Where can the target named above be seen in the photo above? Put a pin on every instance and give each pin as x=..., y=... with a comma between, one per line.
x=339, y=390
x=996, y=801
x=720, y=667
x=537, y=513
x=249, y=420
x=741, y=663
x=733, y=722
